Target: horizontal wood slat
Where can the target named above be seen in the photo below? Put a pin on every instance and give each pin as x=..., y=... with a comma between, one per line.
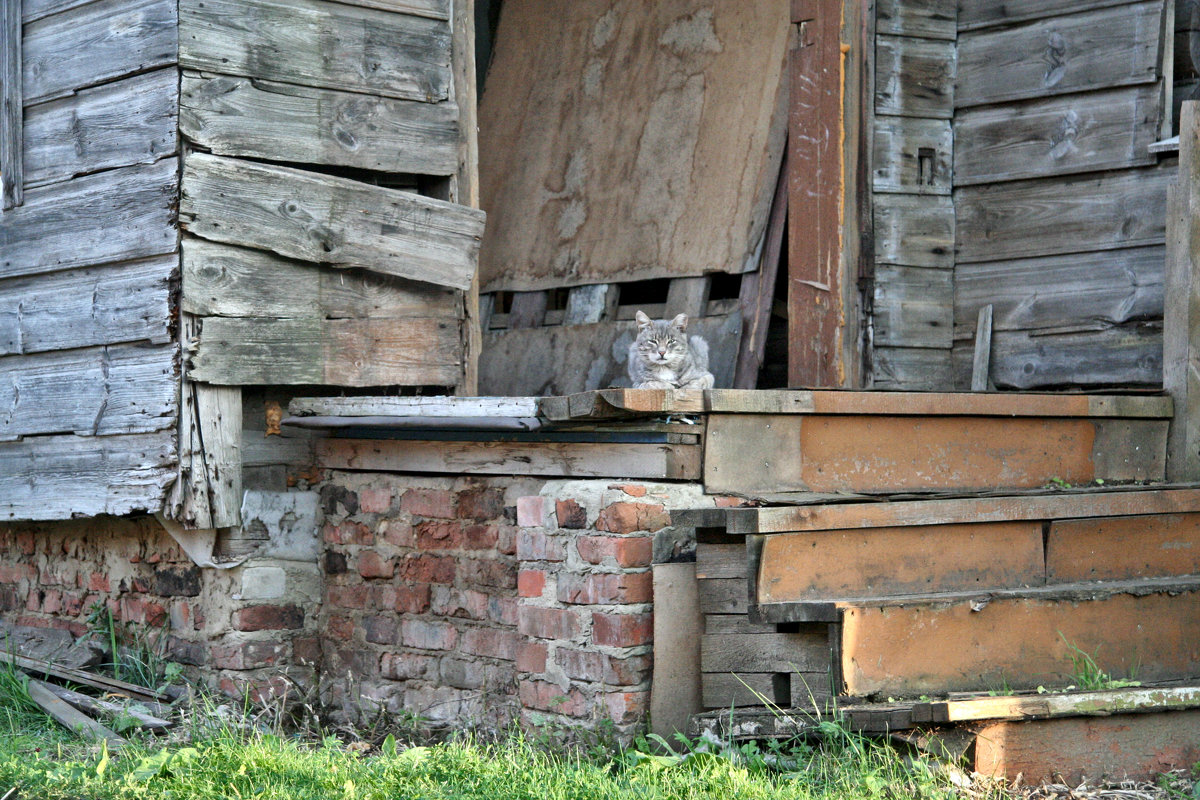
x=918, y=369
x=914, y=307
x=929, y=19
x=330, y=220
x=915, y=77
x=914, y=231
x=913, y=156
x=974, y=14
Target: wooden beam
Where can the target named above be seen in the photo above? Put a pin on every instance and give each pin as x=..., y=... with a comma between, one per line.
x=70, y=717
x=593, y=303
x=1181, y=317
x=12, y=173
x=465, y=181
x=687, y=296
x=981, y=365
x=432, y=407
x=757, y=294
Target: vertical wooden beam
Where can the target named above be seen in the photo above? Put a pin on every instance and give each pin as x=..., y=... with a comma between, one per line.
x=591, y=303
x=824, y=219
x=12, y=172
x=758, y=290
x=528, y=310
x=466, y=189
x=687, y=296
x=1181, y=314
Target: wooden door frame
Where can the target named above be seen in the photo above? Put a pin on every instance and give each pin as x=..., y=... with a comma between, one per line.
x=830, y=242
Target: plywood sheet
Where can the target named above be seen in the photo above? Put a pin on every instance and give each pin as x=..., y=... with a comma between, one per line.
x=626, y=140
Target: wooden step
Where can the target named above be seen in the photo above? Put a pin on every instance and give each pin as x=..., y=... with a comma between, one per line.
x=1020, y=639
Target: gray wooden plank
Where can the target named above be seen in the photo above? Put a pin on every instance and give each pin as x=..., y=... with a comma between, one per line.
x=92, y=392
x=432, y=407
x=330, y=220
x=337, y=352
x=577, y=358
x=224, y=281
x=36, y=9
x=70, y=717
x=1119, y=355
x=912, y=369
x=927, y=19
x=208, y=493
x=914, y=307
x=914, y=77
x=913, y=155
x=1061, y=55
x=1070, y=291
x=687, y=296
x=590, y=304
x=981, y=361
x=127, y=122
x=1087, y=132
x=125, y=302
x=764, y=652
x=255, y=118
x=528, y=310
x=435, y=9
x=11, y=119
x=914, y=231
x=974, y=14
x=1181, y=333
x=318, y=43
x=1074, y=214
x=115, y=215
x=60, y=477
x=98, y=42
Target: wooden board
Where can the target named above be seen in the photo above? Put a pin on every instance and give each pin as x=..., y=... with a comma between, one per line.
x=1020, y=643
x=764, y=652
x=115, y=215
x=986, y=13
x=1061, y=704
x=577, y=358
x=338, y=352
x=841, y=565
x=131, y=121
x=637, y=132
x=96, y=43
x=1066, y=54
x=12, y=172
x=376, y=52
x=913, y=155
x=262, y=119
x=124, y=302
x=916, y=369
x=914, y=307
x=1088, y=132
x=58, y=477
x=208, y=493
x=724, y=596
x=1123, y=548
x=639, y=461
x=927, y=19
x=224, y=281
x=720, y=561
x=329, y=220
x=91, y=392
x=1080, y=291
x=915, y=77
x=914, y=231
x=1090, y=749
x=431, y=407
x=1094, y=212
x=1075, y=505
x=70, y=717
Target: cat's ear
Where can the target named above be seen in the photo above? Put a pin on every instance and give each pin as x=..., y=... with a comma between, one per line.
x=680, y=322
x=642, y=319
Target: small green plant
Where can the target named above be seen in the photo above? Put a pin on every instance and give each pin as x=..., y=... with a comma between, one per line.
x=137, y=652
x=1087, y=674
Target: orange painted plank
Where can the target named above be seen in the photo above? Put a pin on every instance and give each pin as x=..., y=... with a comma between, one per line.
x=835, y=565
x=1126, y=746
x=1123, y=548
x=1016, y=642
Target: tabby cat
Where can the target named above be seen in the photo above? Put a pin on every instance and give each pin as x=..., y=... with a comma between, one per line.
x=664, y=357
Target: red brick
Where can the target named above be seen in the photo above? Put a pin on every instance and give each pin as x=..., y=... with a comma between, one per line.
x=489, y=573
x=307, y=650
x=135, y=609
x=625, y=551
x=531, y=657
x=570, y=514
x=98, y=582
x=374, y=501
x=380, y=629
x=547, y=623
x=730, y=502
x=543, y=696
x=428, y=635
x=356, y=596
x=52, y=601
x=605, y=588
x=504, y=610
x=268, y=618
x=406, y=666
x=340, y=628
x=429, y=569
x=630, y=517
x=626, y=707
x=245, y=655
x=531, y=582
x=531, y=511
x=72, y=605
x=435, y=503
x=451, y=602
x=480, y=537
x=348, y=532
x=397, y=532
x=583, y=665
x=631, y=489
x=438, y=535
x=622, y=630
x=481, y=504
x=15, y=573
x=373, y=565
x=491, y=643
x=25, y=542
x=506, y=540
x=537, y=546
x=407, y=599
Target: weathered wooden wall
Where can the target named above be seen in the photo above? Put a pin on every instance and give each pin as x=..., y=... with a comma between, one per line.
x=89, y=394
x=1060, y=207
x=912, y=165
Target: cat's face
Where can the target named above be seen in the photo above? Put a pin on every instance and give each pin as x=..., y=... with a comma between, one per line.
x=661, y=342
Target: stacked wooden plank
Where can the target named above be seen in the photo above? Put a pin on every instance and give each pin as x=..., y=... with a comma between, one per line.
x=1060, y=205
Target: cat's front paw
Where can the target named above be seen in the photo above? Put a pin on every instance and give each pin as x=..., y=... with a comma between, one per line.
x=654, y=385
x=705, y=381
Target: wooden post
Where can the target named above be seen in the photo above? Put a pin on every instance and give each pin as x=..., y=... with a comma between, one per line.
x=827, y=83
x=466, y=188
x=11, y=105
x=1181, y=315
